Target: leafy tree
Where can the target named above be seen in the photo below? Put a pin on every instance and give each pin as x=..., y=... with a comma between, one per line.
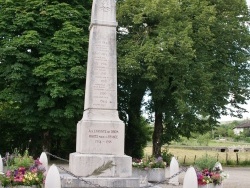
x=204, y=139
x=43, y=50
x=131, y=82
x=191, y=55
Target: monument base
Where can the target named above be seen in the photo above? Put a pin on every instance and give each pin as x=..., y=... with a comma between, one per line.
x=70, y=182
x=89, y=165
x=101, y=170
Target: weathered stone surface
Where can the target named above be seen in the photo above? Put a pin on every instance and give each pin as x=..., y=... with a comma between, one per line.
x=174, y=168
x=100, y=130
x=100, y=133
x=100, y=137
x=190, y=179
x=86, y=164
x=68, y=181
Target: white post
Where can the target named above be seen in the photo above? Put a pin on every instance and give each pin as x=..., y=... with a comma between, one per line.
x=190, y=179
x=44, y=160
x=53, y=178
x=174, y=168
x=218, y=165
x=1, y=165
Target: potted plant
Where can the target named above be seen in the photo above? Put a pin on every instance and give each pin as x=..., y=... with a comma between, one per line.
x=209, y=175
x=218, y=175
x=150, y=167
x=22, y=171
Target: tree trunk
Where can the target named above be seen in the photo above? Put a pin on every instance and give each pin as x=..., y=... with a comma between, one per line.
x=157, y=135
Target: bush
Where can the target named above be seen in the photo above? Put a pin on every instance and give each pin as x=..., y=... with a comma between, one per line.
x=167, y=156
x=205, y=162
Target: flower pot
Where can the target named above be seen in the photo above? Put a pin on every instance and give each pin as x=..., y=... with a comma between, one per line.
x=156, y=174
x=150, y=174
x=210, y=185
x=218, y=186
x=139, y=172
x=142, y=174
x=24, y=186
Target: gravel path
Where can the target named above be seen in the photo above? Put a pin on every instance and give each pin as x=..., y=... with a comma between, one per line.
x=239, y=177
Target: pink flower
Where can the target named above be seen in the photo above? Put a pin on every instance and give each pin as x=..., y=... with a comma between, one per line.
x=37, y=162
x=34, y=170
x=18, y=177
x=8, y=173
x=21, y=170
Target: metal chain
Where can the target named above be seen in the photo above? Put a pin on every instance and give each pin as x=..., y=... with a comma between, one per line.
x=65, y=160
x=80, y=178
x=167, y=179
x=96, y=185
x=71, y=174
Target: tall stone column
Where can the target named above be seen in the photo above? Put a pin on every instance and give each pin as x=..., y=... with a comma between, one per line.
x=100, y=133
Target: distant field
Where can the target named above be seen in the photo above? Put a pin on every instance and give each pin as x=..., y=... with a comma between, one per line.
x=212, y=143
x=188, y=156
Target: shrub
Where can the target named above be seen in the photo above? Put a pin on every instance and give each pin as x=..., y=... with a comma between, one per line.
x=205, y=162
x=167, y=156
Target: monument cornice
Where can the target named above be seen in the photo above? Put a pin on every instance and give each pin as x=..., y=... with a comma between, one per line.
x=103, y=23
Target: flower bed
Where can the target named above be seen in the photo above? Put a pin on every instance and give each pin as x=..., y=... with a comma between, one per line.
x=22, y=170
x=149, y=162
x=209, y=172
x=215, y=177
x=149, y=169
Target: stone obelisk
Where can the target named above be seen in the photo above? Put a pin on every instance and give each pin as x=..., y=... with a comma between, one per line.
x=100, y=133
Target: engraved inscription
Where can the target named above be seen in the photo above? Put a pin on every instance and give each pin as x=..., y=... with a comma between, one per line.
x=105, y=5
x=103, y=136
x=104, y=85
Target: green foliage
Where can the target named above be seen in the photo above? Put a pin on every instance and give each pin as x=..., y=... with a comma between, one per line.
x=230, y=162
x=137, y=138
x=167, y=156
x=205, y=162
x=22, y=160
x=149, y=162
x=204, y=139
x=192, y=57
x=23, y=168
x=43, y=50
x=245, y=163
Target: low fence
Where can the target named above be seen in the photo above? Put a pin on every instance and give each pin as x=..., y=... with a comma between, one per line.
x=226, y=158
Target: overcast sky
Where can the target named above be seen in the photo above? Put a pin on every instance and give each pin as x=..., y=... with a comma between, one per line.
x=247, y=107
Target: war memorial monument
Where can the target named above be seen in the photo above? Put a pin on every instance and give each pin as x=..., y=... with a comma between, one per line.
x=99, y=156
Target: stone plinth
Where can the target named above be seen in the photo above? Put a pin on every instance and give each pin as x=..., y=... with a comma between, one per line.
x=85, y=164
x=100, y=137
x=70, y=182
